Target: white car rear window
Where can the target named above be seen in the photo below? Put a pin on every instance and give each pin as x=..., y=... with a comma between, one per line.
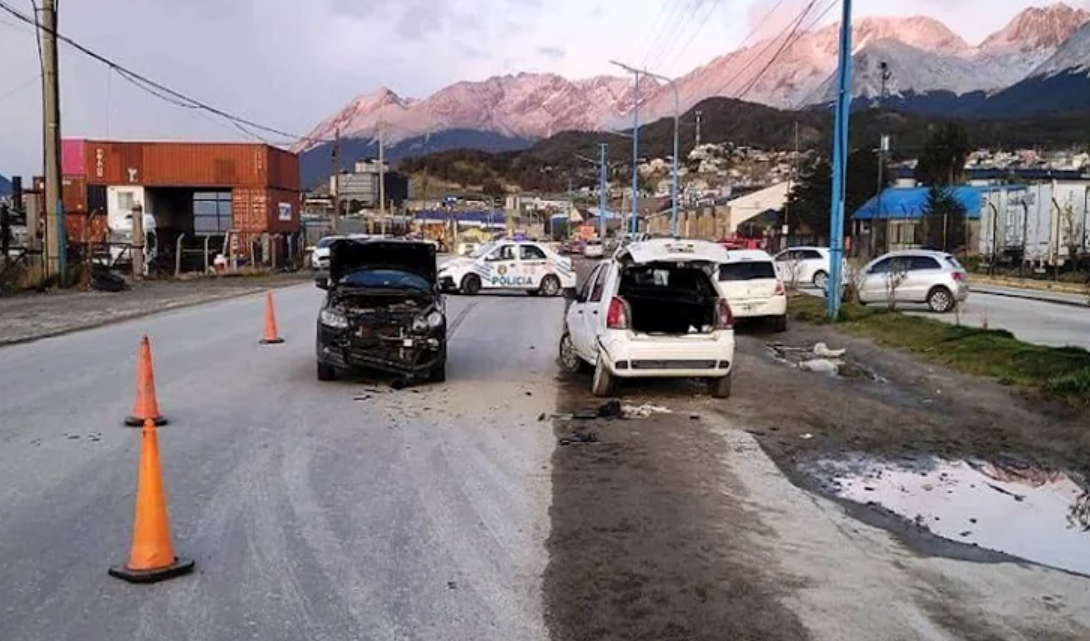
x=747, y=270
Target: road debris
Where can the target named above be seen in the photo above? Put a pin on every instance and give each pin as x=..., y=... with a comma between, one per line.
x=644, y=411
x=579, y=438
x=821, y=359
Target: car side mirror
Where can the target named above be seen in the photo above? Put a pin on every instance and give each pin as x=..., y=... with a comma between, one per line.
x=322, y=282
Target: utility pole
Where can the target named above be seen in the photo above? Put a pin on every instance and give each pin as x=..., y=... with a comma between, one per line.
x=382, y=177
x=785, y=230
x=634, y=225
x=840, y=157
x=336, y=180
x=883, y=147
x=603, y=189
x=56, y=244
x=699, y=114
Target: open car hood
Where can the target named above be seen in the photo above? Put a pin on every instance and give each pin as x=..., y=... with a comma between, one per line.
x=668, y=250
x=349, y=255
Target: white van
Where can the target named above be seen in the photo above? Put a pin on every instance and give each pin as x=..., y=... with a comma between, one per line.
x=748, y=280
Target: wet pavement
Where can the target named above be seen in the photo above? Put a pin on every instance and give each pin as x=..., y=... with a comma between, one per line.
x=1033, y=514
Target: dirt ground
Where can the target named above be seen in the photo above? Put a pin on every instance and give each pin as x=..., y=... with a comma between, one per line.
x=647, y=544
x=31, y=316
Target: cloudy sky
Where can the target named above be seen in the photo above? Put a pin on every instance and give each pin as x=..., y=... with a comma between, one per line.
x=290, y=63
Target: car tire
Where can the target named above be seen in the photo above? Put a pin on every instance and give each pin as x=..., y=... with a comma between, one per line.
x=940, y=300
x=719, y=387
x=326, y=372
x=779, y=324
x=550, y=285
x=566, y=356
x=604, y=383
x=821, y=280
x=471, y=284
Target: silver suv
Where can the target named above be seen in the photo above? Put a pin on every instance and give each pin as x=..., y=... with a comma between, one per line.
x=914, y=276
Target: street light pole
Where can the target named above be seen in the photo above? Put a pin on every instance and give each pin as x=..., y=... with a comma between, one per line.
x=603, y=189
x=634, y=224
x=674, y=169
x=840, y=153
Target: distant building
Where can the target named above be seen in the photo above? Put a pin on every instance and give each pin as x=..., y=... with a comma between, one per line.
x=359, y=189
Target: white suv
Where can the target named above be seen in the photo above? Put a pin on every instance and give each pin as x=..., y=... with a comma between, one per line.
x=653, y=310
x=748, y=281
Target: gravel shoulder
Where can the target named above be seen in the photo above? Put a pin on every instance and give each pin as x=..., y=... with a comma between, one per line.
x=32, y=316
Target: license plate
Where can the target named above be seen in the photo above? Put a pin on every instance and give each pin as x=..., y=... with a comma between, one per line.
x=408, y=342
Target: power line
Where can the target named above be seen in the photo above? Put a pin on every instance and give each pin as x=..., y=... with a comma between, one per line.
x=712, y=4
x=663, y=42
x=157, y=89
x=684, y=25
x=19, y=87
x=790, y=40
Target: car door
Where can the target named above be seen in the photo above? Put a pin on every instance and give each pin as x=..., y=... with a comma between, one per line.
x=579, y=313
x=533, y=265
x=874, y=284
x=922, y=272
x=812, y=262
x=497, y=265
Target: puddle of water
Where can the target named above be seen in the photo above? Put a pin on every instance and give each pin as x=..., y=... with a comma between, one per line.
x=1037, y=515
x=819, y=358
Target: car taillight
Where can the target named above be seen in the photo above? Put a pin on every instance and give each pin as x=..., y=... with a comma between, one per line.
x=779, y=288
x=617, y=316
x=959, y=276
x=724, y=318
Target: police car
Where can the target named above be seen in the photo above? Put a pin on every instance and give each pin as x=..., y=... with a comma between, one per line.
x=509, y=265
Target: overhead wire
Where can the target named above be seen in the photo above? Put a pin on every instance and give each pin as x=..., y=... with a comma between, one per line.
x=789, y=41
x=154, y=88
x=666, y=36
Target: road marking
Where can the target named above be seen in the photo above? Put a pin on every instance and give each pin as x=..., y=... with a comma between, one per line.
x=457, y=322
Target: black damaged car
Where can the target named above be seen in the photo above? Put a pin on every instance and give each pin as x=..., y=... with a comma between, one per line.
x=383, y=311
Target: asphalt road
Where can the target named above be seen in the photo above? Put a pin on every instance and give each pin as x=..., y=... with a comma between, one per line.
x=412, y=514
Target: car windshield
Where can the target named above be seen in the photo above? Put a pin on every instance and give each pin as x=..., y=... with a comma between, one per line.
x=482, y=250
x=325, y=242
x=748, y=270
x=385, y=279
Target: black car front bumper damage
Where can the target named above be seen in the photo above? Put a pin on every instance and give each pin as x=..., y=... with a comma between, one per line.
x=391, y=348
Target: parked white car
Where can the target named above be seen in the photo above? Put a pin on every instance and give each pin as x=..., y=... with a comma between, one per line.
x=509, y=265
x=804, y=266
x=653, y=310
x=594, y=249
x=319, y=254
x=749, y=282
x=915, y=276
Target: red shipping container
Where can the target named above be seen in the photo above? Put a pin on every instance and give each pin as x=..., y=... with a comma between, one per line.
x=196, y=165
x=275, y=211
x=73, y=157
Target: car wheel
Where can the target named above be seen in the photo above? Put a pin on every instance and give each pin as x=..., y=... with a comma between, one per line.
x=569, y=360
x=550, y=285
x=940, y=300
x=779, y=323
x=821, y=280
x=603, y=384
x=471, y=284
x=720, y=387
x=326, y=373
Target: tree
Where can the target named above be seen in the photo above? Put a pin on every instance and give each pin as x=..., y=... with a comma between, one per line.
x=944, y=218
x=943, y=159
x=810, y=201
x=1072, y=233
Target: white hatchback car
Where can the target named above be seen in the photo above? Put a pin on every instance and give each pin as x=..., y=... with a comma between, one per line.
x=653, y=310
x=749, y=282
x=511, y=265
x=319, y=255
x=594, y=248
x=934, y=278
x=804, y=266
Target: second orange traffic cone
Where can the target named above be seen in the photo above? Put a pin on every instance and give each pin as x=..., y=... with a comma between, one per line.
x=271, y=336
x=146, y=404
x=152, y=557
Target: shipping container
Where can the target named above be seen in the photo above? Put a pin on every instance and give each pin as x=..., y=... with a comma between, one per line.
x=266, y=210
x=197, y=165
x=73, y=157
x=1040, y=222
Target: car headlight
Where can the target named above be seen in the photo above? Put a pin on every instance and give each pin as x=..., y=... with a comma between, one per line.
x=432, y=320
x=435, y=319
x=420, y=324
x=333, y=318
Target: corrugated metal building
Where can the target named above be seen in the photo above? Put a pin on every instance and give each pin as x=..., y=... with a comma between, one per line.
x=892, y=220
x=197, y=189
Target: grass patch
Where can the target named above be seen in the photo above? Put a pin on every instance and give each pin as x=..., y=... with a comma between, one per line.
x=1062, y=373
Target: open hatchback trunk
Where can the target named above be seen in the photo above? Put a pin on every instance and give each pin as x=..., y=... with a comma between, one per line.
x=669, y=287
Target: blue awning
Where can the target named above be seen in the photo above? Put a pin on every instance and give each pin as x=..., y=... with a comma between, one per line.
x=901, y=203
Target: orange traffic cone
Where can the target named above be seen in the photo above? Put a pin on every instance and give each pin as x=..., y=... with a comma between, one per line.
x=152, y=558
x=271, y=336
x=146, y=405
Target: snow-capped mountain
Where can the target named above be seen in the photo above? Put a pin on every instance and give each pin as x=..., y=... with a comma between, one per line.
x=1038, y=28
x=925, y=58
x=525, y=106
